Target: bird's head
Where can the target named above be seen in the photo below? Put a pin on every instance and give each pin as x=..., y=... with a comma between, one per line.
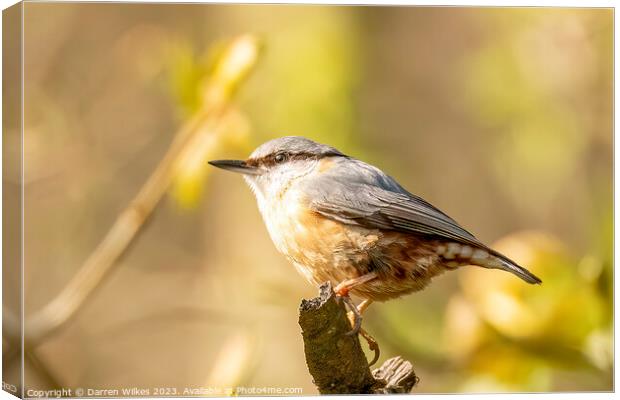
x=274, y=164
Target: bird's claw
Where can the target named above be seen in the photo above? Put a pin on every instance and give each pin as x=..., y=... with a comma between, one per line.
x=357, y=317
x=372, y=345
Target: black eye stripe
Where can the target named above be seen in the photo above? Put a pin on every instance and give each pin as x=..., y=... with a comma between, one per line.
x=272, y=159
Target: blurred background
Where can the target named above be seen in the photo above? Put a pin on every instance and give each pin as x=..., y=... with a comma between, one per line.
x=502, y=117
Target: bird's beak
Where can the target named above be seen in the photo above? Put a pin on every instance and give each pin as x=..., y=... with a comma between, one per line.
x=239, y=166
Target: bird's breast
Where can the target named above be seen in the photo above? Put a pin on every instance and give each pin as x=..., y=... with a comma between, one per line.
x=320, y=248
x=326, y=250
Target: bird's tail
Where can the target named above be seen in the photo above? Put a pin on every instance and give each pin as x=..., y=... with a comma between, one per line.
x=504, y=263
x=456, y=254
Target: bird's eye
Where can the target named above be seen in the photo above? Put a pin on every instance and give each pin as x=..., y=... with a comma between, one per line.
x=280, y=158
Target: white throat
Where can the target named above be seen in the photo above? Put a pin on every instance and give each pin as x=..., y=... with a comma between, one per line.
x=271, y=187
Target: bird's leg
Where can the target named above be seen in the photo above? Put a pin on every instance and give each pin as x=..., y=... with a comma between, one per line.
x=355, y=315
x=361, y=307
x=356, y=319
x=343, y=289
x=372, y=342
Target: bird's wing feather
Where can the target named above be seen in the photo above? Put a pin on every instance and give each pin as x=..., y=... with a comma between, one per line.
x=356, y=193
x=377, y=201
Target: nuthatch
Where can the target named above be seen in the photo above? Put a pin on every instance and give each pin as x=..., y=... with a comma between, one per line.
x=342, y=220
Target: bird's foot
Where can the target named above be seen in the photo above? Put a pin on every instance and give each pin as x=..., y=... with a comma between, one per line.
x=372, y=345
x=342, y=290
x=354, y=316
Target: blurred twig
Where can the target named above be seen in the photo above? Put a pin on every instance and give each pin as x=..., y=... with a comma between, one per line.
x=233, y=66
x=336, y=360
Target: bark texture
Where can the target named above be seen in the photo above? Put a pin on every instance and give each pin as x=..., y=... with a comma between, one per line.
x=336, y=360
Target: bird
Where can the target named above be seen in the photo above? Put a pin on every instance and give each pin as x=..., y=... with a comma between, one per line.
x=341, y=220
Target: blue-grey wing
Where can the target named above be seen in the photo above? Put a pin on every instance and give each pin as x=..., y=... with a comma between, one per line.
x=358, y=194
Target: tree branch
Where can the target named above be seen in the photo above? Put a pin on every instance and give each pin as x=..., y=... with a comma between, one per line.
x=236, y=61
x=336, y=361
